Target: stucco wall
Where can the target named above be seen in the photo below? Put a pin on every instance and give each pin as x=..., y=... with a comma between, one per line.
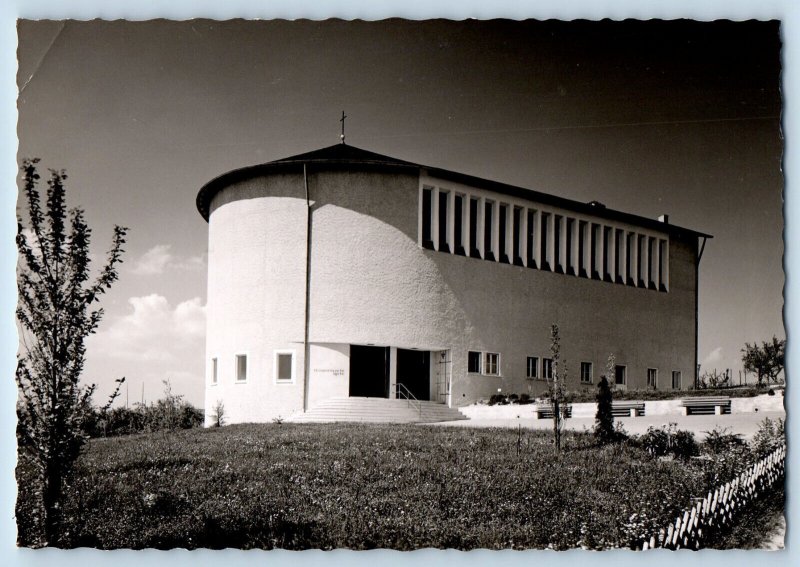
x=256, y=282
x=510, y=309
x=329, y=372
x=371, y=283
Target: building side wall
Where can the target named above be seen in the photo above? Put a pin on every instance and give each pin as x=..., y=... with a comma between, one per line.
x=511, y=310
x=373, y=284
x=256, y=287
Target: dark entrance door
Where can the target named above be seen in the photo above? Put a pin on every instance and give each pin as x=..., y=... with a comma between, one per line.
x=414, y=372
x=369, y=371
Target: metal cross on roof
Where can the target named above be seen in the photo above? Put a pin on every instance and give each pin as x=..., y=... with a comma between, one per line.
x=342, y=121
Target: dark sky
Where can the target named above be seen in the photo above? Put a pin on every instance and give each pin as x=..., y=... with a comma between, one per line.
x=648, y=117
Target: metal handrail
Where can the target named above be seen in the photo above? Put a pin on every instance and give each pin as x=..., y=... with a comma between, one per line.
x=402, y=391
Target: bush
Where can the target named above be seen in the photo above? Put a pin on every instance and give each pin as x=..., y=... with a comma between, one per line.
x=168, y=414
x=770, y=436
x=720, y=440
x=669, y=440
x=525, y=399
x=498, y=399
x=604, y=419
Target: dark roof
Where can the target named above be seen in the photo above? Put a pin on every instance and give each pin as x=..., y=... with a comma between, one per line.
x=345, y=155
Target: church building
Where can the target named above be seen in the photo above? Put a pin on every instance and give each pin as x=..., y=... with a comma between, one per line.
x=342, y=273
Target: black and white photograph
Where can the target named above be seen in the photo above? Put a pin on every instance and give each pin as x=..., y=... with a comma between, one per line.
x=400, y=284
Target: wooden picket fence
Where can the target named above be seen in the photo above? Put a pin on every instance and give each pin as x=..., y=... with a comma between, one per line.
x=717, y=510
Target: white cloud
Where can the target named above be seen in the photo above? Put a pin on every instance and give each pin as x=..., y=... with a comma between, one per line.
x=714, y=356
x=154, y=261
x=159, y=259
x=153, y=330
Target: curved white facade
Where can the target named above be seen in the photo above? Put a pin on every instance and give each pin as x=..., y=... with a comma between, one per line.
x=369, y=281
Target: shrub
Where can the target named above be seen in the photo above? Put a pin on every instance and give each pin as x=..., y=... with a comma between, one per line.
x=525, y=399
x=513, y=399
x=218, y=414
x=604, y=419
x=770, y=436
x=669, y=440
x=720, y=440
x=498, y=399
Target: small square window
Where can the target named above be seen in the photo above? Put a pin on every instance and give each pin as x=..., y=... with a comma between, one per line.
x=547, y=368
x=241, y=367
x=652, y=377
x=586, y=372
x=284, y=366
x=676, y=379
x=620, y=375
x=533, y=367
x=492, y=364
x=214, y=371
x=474, y=362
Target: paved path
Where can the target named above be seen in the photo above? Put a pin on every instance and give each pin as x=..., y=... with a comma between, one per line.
x=744, y=423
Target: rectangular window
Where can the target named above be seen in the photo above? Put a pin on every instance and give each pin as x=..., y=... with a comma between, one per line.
x=586, y=372
x=547, y=368
x=630, y=258
x=651, y=263
x=473, y=228
x=662, y=270
x=676, y=379
x=284, y=366
x=652, y=378
x=492, y=364
x=214, y=371
x=595, y=251
x=558, y=261
x=488, y=250
x=545, y=241
x=533, y=367
x=443, y=246
x=459, y=226
x=474, y=362
x=607, y=243
x=619, y=237
x=529, y=236
x=516, y=236
x=427, y=217
x=503, y=230
x=642, y=260
x=582, y=244
x=241, y=367
x=570, y=247
x=620, y=375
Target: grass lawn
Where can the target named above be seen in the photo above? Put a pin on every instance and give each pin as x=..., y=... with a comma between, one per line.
x=300, y=486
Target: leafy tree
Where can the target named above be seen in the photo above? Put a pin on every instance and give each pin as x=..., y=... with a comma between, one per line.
x=766, y=361
x=604, y=418
x=557, y=386
x=55, y=296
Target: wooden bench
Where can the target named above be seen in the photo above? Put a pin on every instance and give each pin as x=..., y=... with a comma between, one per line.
x=706, y=405
x=627, y=409
x=545, y=411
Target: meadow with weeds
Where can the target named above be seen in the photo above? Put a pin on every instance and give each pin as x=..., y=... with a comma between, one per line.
x=301, y=486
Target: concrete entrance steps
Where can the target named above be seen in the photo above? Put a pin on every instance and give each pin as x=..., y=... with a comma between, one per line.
x=377, y=410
